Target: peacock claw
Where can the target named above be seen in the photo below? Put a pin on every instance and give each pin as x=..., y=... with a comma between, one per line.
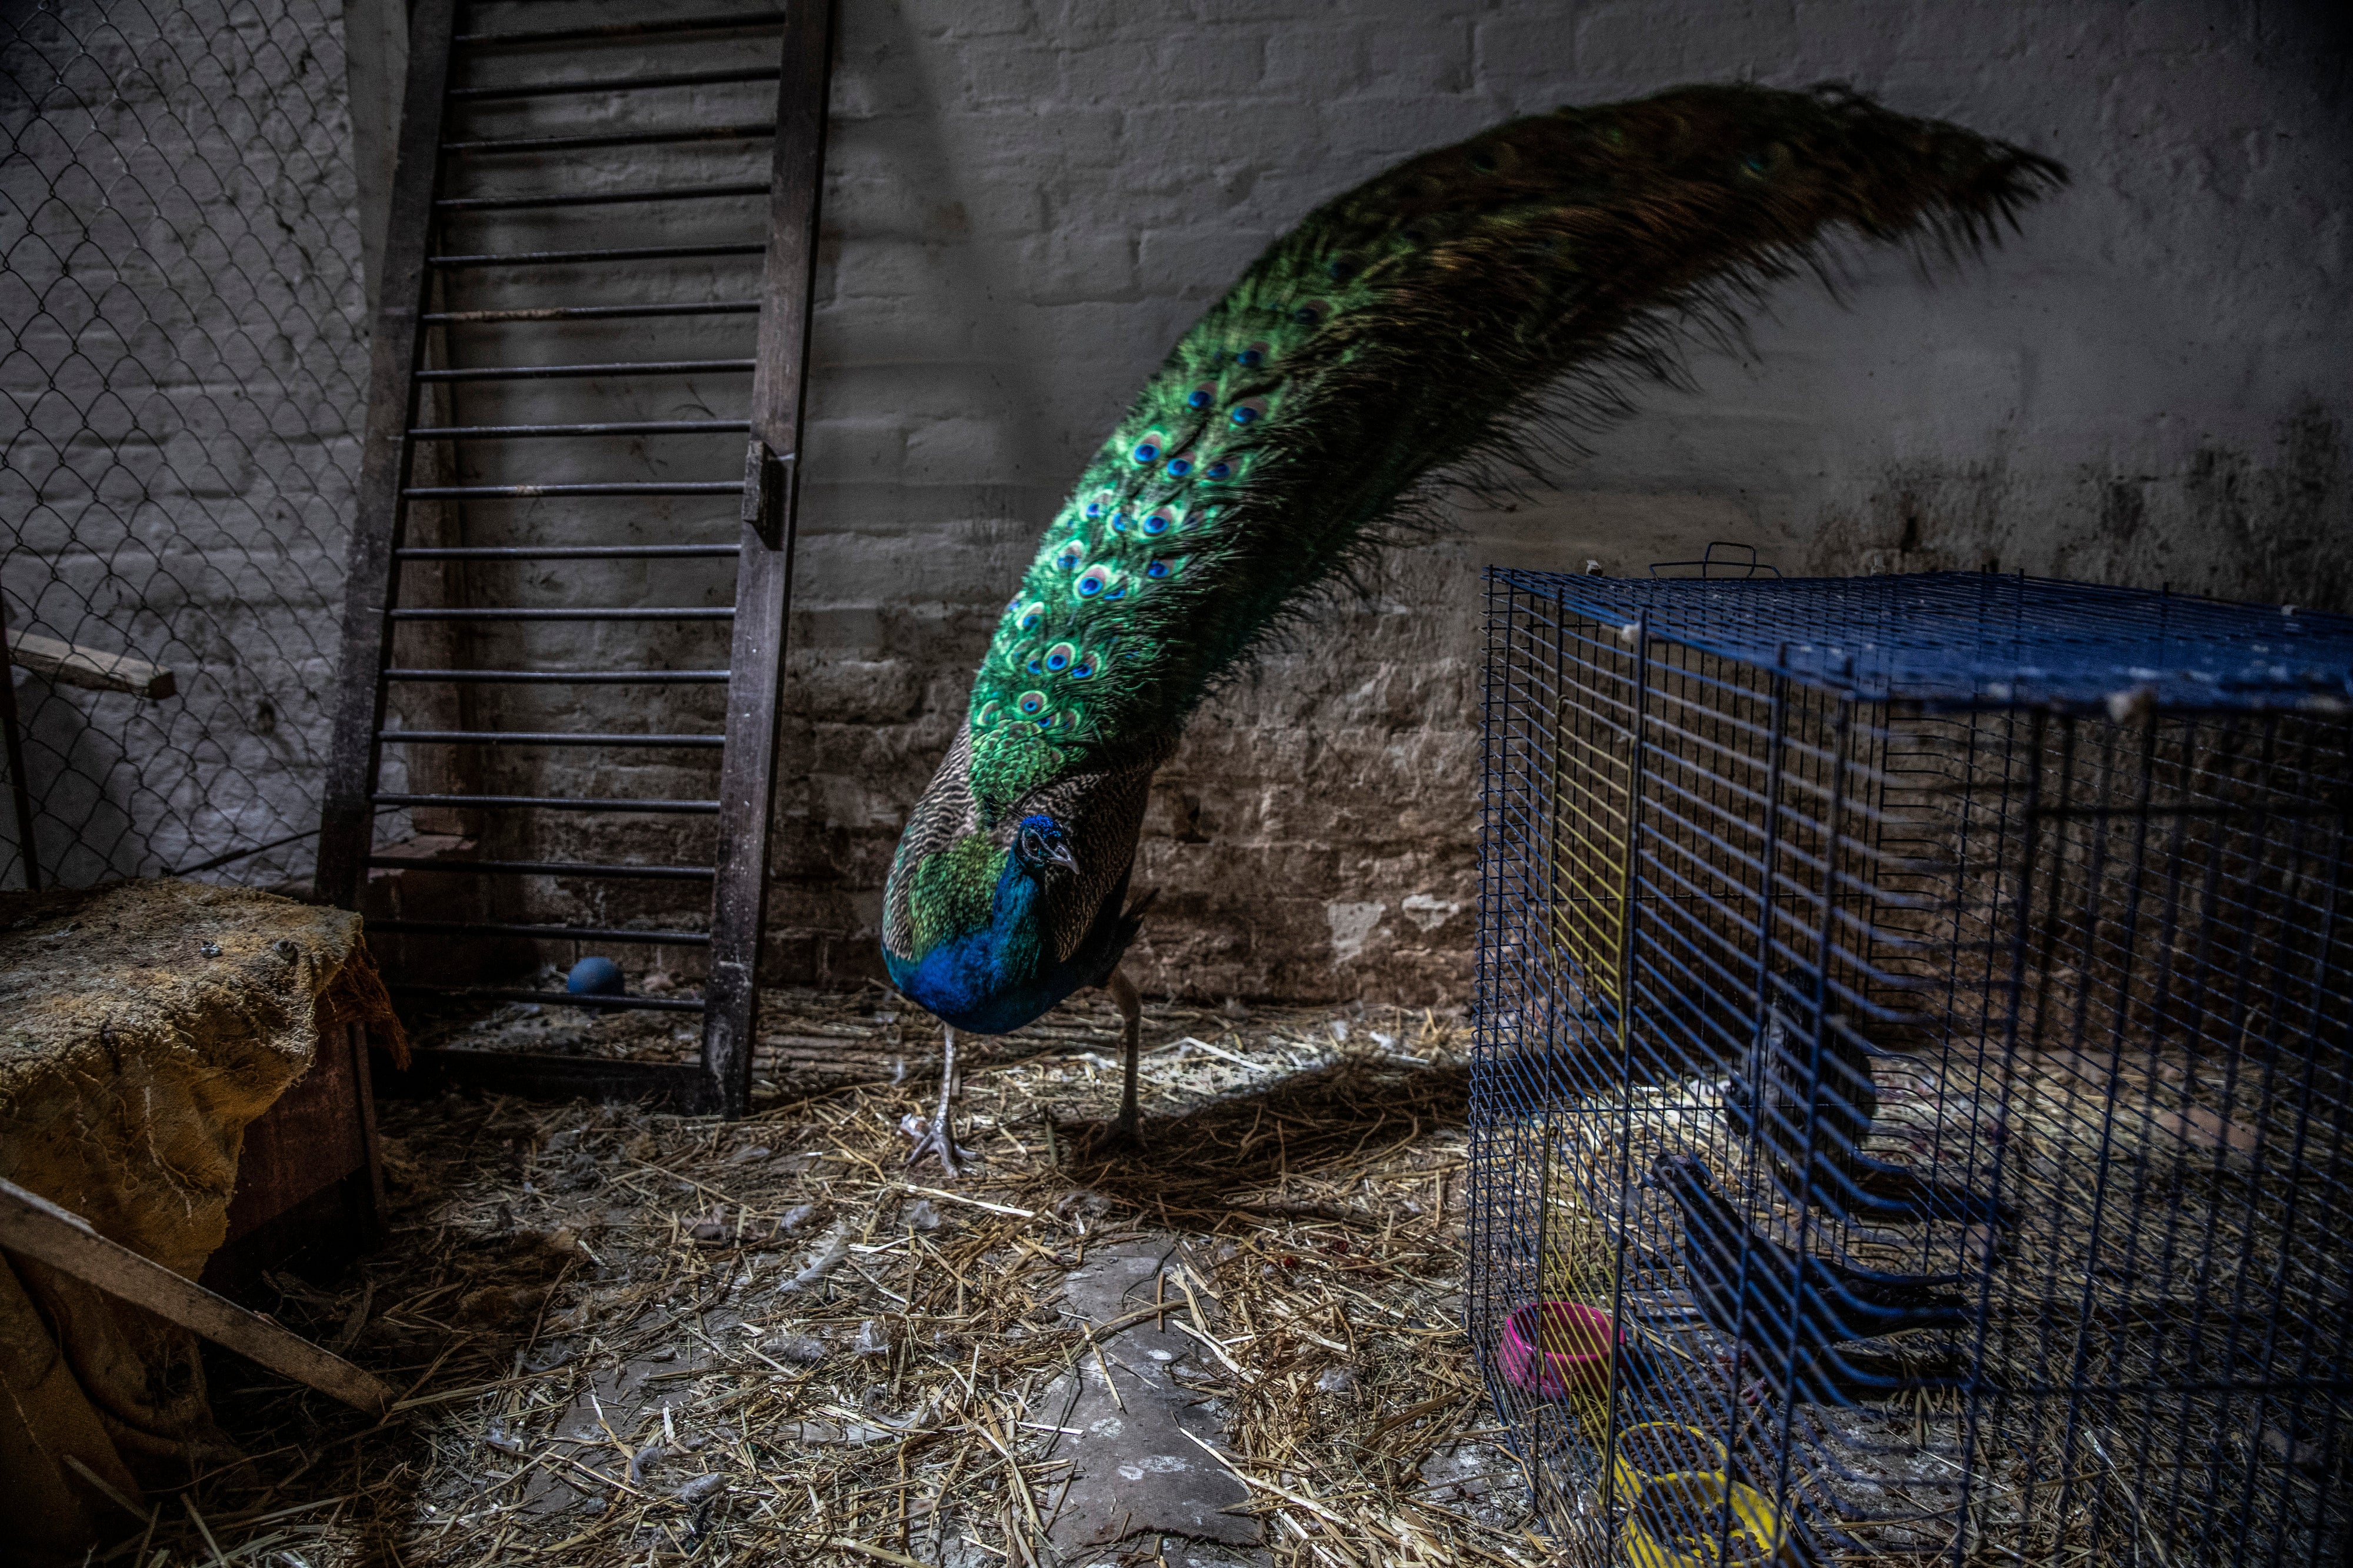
x=933, y=1137
x=1121, y=1135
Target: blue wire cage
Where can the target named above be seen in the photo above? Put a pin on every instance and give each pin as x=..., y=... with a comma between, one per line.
x=1910, y=1113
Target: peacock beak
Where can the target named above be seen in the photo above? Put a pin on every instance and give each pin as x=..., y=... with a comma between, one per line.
x=1059, y=854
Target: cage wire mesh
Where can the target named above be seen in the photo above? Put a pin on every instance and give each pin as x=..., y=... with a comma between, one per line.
x=183, y=359
x=1912, y=1018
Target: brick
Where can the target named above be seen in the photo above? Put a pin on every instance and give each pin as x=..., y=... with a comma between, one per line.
x=970, y=18
x=1372, y=133
x=1200, y=262
x=1407, y=59
x=1065, y=266
x=1170, y=146
x=1016, y=71
x=1208, y=63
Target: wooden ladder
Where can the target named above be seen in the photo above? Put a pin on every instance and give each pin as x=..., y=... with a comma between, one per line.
x=449, y=174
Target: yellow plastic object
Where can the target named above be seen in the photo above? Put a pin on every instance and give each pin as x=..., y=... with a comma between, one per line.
x=1657, y=1448
x=1676, y=1523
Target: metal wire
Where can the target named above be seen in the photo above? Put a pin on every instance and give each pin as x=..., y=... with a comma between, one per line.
x=2043, y=1006
x=181, y=338
x=1979, y=638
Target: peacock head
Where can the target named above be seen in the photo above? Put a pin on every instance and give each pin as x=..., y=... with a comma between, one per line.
x=1042, y=848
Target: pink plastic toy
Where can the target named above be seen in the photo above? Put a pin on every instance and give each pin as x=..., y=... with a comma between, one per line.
x=1556, y=1347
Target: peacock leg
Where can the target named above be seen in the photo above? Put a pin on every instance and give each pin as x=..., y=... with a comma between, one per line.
x=939, y=1138
x=1131, y=1031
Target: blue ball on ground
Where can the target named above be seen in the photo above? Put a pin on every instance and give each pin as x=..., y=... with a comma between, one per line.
x=595, y=977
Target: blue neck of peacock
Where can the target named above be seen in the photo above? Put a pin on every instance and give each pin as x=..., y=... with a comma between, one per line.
x=1013, y=920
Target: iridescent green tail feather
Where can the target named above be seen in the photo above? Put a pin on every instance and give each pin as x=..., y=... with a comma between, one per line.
x=1421, y=323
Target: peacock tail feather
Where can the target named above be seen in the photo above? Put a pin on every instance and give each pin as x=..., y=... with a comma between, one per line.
x=1445, y=320
x=1414, y=323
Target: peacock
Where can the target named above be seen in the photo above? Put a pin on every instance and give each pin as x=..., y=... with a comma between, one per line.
x=1450, y=321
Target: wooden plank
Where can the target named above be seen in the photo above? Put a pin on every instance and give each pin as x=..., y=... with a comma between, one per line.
x=93, y=669
x=355, y=1046
x=312, y=1137
x=348, y=822
x=12, y=753
x=37, y=1229
x=765, y=575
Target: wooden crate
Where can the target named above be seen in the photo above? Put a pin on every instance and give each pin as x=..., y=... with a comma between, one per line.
x=310, y=1184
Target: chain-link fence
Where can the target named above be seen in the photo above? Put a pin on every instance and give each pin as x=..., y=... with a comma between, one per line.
x=183, y=373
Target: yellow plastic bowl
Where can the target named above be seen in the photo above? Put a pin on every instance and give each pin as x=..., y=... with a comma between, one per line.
x=1675, y=1523
x=1657, y=1449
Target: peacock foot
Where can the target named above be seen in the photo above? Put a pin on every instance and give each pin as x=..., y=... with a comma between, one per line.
x=936, y=1138
x=1126, y=1135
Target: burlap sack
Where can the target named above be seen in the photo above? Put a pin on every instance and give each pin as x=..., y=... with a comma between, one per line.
x=142, y=1026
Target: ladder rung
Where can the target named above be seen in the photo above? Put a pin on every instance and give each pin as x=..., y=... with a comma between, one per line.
x=565, y=677
x=587, y=313
x=556, y=803
x=565, y=257
x=583, y=613
x=494, y=146
x=608, y=199
x=533, y=492
x=618, y=367
x=538, y=738
x=705, y=24
x=563, y=552
x=607, y=84
x=551, y=998
x=546, y=868
x=549, y=933
x=520, y=432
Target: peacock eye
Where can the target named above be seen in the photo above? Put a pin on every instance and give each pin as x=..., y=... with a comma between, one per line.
x=1093, y=581
x=1249, y=411
x=1031, y=617
x=1094, y=509
x=1156, y=569
x=1149, y=446
x=1202, y=395
x=1032, y=703
x=1312, y=314
x=1116, y=589
x=1069, y=559
x=1084, y=668
x=1059, y=656
x=1180, y=467
x=1119, y=522
x=1253, y=355
x=988, y=713
x=1220, y=470
x=1157, y=522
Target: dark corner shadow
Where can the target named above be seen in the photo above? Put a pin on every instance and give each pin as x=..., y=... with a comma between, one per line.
x=304, y=1450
